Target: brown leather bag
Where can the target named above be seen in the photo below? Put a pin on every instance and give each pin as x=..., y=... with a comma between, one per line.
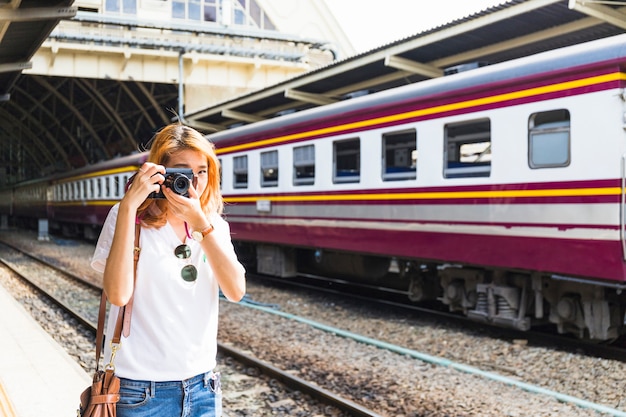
x=100, y=399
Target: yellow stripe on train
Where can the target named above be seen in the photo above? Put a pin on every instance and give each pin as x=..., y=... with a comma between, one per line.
x=530, y=92
x=438, y=195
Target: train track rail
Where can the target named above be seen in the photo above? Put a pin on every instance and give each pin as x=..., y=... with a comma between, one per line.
x=52, y=281
x=441, y=361
x=46, y=278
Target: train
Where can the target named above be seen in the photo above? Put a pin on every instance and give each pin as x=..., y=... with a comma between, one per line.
x=497, y=192
x=73, y=203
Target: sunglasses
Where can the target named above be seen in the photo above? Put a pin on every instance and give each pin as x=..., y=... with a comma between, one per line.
x=189, y=273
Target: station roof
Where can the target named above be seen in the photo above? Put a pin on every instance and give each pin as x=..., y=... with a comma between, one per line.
x=24, y=26
x=503, y=32
x=75, y=130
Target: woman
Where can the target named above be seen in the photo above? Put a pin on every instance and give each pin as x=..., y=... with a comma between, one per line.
x=166, y=363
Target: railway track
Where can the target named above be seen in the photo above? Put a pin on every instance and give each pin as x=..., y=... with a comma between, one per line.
x=378, y=390
x=398, y=299
x=52, y=281
x=81, y=303
x=82, y=308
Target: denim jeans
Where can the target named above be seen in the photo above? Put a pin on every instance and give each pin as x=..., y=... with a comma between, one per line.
x=200, y=396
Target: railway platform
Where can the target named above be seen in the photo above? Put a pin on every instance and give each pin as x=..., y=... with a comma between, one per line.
x=37, y=377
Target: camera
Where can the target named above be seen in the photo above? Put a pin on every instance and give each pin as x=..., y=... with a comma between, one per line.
x=176, y=179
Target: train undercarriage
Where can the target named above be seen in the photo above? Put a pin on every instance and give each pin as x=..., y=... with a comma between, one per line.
x=520, y=301
x=587, y=309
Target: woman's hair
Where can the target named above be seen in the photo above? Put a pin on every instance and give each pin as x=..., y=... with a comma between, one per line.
x=167, y=141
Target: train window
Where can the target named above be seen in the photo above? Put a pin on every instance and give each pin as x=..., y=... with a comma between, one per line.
x=107, y=187
x=549, y=139
x=399, y=156
x=347, y=161
x=117, y=185
x=240, y=171
x=303, y=165
x=269, y=169
x=125, y=179
x=219, y=161
x=467, y=149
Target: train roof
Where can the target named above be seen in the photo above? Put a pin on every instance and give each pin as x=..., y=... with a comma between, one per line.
x=600, y=52
x=122, y=161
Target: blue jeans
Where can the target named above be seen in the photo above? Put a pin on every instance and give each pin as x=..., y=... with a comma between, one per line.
x=199, y=396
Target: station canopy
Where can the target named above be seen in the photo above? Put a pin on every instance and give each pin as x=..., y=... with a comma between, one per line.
x=22, y=31
x=503, y=32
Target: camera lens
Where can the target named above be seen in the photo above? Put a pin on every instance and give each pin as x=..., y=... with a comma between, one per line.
x=180, y=184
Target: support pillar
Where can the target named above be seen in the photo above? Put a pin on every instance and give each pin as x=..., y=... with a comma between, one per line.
x=43, y=230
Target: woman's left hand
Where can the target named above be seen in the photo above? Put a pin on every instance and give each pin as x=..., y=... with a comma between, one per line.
x=186, y=208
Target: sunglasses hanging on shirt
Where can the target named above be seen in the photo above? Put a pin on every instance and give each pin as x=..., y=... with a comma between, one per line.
x=189, y=273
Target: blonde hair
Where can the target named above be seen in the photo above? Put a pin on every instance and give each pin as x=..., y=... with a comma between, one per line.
x=167, y=141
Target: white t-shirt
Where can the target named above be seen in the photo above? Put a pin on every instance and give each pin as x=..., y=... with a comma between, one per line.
x=173, y=332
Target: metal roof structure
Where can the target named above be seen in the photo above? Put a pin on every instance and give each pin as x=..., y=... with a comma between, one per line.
x=61, y=123
x=509, y=30
x=24, y=26
x=52, y=120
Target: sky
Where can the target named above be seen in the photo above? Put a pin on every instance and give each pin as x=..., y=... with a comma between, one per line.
x=377, y=25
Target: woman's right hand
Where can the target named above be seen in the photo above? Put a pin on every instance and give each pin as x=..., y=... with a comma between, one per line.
x=146, y=181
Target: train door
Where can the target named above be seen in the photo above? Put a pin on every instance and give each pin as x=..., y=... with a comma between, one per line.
x=622, y=212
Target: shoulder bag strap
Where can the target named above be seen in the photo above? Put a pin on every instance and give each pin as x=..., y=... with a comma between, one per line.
x=124, y=314
x=100, y=331
x=128, y=310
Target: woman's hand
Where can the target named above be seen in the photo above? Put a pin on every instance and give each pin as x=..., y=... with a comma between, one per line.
x=187, y=209
x=147, y=180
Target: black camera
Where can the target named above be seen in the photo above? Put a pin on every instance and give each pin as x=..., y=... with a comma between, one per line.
x=176, y=179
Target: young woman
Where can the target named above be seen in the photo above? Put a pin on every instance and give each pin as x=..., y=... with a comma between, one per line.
x=166, y=363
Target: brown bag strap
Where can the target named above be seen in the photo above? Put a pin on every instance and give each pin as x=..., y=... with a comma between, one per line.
x=100, y=331
x=124, y=314
x=128, y=310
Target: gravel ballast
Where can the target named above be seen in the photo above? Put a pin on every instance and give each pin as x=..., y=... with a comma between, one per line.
x=390, y=383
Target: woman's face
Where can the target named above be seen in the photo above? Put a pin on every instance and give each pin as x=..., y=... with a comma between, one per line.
x=197, y=162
